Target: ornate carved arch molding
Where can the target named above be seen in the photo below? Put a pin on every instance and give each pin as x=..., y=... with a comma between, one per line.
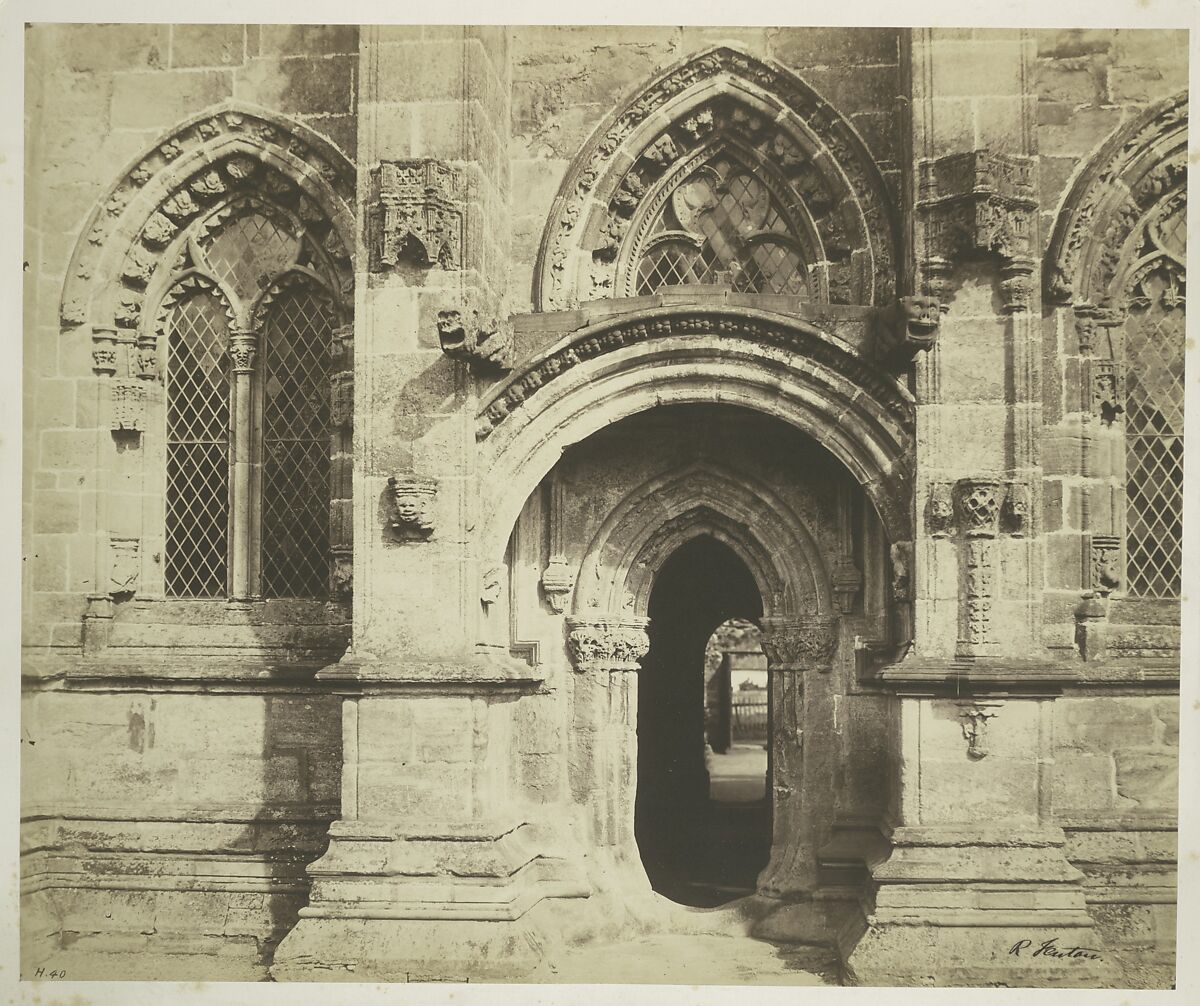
x=1104, y=235
x=211, y=158
x=768, y=363
x=658, y=516
x=824, y=176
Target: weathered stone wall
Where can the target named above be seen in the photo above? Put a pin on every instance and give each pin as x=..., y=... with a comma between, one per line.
x=175, y=821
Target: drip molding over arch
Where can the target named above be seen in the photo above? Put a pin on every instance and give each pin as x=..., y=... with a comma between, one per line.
x=702, y=498
x=764, y=362
x=175, y=181
x=1141, y=166
x=769, y=106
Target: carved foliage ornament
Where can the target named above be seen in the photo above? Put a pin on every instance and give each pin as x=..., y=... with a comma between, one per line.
x=613, y=175
x=416, y=214
x=189, y=172
x=805, y=343
x=607, y=642
x=799, y=645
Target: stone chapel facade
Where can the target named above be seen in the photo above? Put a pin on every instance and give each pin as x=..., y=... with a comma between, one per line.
x=374, y=375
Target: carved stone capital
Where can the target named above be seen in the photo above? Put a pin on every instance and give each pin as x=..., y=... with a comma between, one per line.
x=484, y=343
x=416, y=214
x=243, y=348
x=978, y=506
x=1017, y=513
x=909, y=327
x=793, y=644
x=147, y=356
x=939, y=515
x=412, y=500
x=607, y=642
x=558, y=581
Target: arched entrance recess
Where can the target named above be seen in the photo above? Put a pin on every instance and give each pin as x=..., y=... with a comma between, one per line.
x=767, y=362
x=790, y=583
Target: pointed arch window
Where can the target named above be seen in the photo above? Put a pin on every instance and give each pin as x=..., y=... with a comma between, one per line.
x=248, y=321
x=723, y=223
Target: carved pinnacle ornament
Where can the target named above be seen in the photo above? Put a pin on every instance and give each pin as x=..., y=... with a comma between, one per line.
x=413, y=500
x=417, y=214
x=484, y=343
x=607, y=642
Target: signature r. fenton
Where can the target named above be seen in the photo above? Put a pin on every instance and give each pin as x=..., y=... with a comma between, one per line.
x=1050, y=948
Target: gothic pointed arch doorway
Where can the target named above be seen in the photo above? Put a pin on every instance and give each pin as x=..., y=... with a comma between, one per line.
x=697, y=847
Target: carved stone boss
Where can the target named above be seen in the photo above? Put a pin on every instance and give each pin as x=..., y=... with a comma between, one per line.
x=607, y=642
x=977, y=511
x=979, y=202
x=412, y=504
x=417, y=214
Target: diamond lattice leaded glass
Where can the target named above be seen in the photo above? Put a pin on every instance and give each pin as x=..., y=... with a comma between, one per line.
x=1154, y=341
x=722, y=224
x=296, y=432
x=197, y=382
x=247, y=251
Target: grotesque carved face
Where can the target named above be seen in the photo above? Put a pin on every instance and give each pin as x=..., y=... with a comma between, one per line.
x=408, y=507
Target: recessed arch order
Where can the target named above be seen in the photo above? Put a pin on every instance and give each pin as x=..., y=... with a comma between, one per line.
x=758, y=360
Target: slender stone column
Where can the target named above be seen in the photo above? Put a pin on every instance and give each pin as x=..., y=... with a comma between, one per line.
x=243, y=348
x=606, y=652
x=795, y=649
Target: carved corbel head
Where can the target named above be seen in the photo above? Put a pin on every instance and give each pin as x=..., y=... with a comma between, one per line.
x=909, y=327
x=484, y=343
x=412, y=501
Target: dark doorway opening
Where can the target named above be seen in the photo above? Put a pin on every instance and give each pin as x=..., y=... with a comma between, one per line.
x=697, y=850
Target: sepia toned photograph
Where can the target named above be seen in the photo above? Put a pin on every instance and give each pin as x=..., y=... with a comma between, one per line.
x=602, y=505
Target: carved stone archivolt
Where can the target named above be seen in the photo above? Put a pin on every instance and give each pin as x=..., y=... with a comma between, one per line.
x=608, y=643
x=799, y=339
x=416, y=214
x=794, y=644
x=759, y=115
x=484, y=343
x=1127, y=194
x=413, y=499
x=205, y=161
x=979, y=202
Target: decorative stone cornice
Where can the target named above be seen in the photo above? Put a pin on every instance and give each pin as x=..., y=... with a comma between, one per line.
x=607, y=642
x=802, y=339
x=909, y=327
x=412, y=500
x=416, y=214
x=979, y=202
x=793, y=644
x=486, y=344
